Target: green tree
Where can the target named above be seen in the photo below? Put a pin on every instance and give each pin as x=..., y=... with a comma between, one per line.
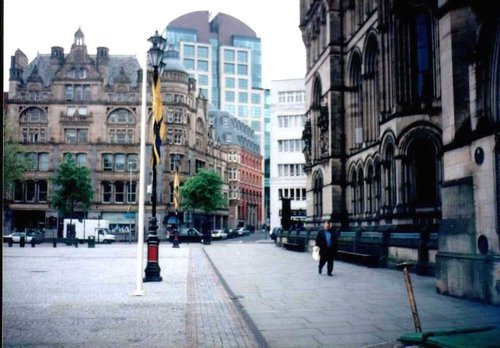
x=72, y=187
x=14, y=160
x=203, y=191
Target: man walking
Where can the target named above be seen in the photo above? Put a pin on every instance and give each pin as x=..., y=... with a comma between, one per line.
x=327, y=242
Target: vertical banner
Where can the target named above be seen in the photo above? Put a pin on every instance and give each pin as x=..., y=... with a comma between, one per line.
x=176, y=189
x=159, y=127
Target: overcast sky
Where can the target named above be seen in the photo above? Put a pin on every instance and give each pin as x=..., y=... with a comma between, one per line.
x=34, y=26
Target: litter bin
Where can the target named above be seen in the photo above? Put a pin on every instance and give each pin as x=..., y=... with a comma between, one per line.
x=91, y=242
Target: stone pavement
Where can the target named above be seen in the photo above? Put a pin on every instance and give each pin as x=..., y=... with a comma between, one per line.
x=241, y=295
x=293, y=306
x=83, y=297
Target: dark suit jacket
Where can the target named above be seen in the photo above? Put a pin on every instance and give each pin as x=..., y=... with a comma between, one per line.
x=321, y=241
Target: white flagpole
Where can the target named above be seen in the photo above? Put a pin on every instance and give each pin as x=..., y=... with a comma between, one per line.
x=139, y=291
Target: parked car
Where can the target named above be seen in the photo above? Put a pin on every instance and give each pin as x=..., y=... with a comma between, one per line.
x=16, y=237
x=274, y=232
x=218, y=234
x=232, y=233
x=189, y=234
x=242, y=231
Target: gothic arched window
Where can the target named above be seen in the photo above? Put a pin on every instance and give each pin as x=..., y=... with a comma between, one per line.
x=377, y=187
x=356, y=101
x=316, y=111
x=318, y=196
x=370, y=90
x=423, y=54
x=370, y=189
x=390, y=177
x=488, y=72
x=354, y=191
x=361, y=192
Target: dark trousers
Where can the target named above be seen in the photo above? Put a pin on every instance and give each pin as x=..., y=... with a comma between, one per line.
x=326, y=256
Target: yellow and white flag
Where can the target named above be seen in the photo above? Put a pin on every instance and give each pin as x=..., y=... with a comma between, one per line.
x=177, y=196
x=159, y=127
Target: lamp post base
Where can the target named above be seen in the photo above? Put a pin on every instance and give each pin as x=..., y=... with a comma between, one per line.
x=153, y=269
x=152, y=272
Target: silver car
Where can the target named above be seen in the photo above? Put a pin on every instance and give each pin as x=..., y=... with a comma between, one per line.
x=242, y=231
x=218, y=234
x=16, y=237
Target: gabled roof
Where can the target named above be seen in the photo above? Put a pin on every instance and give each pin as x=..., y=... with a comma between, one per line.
x=128, y=63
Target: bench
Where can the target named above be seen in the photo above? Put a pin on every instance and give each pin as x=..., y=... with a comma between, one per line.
x=366, y=259
x=485, y=336
x=294, y=246
x=295, y=243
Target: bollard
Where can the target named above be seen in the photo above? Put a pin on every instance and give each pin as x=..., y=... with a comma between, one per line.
x=411, y=296
x=33, y=242
x=206, y=238
x=22, y=242
x=54, y=243
x=10, y=242
x=175, y=243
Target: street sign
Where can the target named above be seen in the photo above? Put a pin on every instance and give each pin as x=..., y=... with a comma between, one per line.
x=129, y=215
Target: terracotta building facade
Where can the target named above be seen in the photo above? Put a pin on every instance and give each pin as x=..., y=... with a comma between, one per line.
x=402, y=105
x=243, y=169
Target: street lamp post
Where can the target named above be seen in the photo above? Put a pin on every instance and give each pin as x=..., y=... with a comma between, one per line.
x=175, y=243
x=131, y=165
x=155, y=54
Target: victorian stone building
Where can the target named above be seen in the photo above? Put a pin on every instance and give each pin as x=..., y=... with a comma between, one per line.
x=243, y=168
x=89, y=106
x=402, y=101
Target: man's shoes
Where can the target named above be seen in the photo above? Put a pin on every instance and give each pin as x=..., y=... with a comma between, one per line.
x=330, y=274
x=319, y=270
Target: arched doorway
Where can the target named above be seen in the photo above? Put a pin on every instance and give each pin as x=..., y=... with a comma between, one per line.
x=423, y=173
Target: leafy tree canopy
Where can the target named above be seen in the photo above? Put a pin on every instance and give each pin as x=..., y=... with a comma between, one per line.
x=14, y=160
x=203, y=191
x=72, y=187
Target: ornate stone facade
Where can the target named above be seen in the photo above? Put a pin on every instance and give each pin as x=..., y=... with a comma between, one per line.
x=90, y=106
x=405, y=96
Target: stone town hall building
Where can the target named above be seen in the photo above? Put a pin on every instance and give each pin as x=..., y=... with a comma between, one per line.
x=403, y=114
x=90, y=106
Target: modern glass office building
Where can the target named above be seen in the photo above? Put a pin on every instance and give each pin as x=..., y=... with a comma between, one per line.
x=224, y=55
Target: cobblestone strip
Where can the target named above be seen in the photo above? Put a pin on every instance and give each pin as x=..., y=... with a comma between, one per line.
x=191, y=326
x=218, y=321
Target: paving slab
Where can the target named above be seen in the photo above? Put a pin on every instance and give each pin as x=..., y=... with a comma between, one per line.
x=357, y=307
x=84, y=297
x=227, y=294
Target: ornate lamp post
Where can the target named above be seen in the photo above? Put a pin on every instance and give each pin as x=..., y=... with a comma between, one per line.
x=177, y=198
x=155, y=55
